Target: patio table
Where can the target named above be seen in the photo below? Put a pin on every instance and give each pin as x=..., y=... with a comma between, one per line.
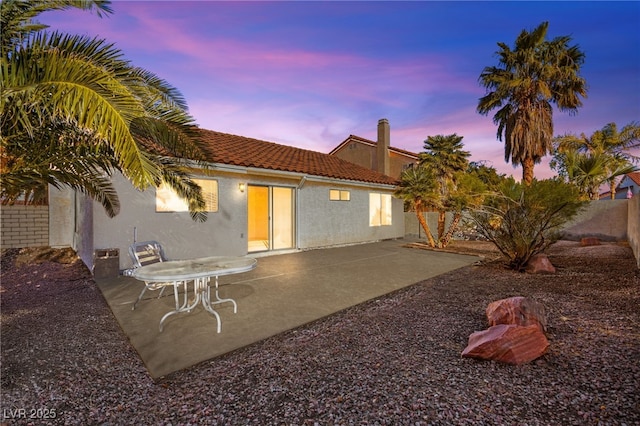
x=199, y=271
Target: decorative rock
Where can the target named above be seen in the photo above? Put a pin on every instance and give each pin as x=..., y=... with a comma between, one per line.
x=539, y=264
x=516, y=332
x=589, y=241
x=517, y=310
x=508, y=343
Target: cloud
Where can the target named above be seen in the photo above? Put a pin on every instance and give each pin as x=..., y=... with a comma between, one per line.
x=310, y=74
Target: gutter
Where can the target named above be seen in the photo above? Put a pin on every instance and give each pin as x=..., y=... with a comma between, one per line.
x=302, y=177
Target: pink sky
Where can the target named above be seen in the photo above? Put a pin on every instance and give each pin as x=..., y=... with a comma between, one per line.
x=309, y=74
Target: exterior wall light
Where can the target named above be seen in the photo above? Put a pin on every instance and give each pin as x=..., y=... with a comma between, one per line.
x=241, y=187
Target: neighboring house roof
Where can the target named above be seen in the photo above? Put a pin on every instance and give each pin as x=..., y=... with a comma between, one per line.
x=242, y=151
x=355, y=138
x=635, y=176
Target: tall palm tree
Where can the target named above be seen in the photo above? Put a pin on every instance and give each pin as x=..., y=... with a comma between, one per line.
x=445, y=157
x=529, y=79
x=614, y=148
x=77, y=93
x=419, y=189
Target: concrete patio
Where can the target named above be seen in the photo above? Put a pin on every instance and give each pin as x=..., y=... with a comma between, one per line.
x=284, y=292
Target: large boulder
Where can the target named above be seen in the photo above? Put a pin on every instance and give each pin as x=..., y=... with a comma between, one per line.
x=508, y=343
x=517, y=310
x=540, y=264
x=515, y=334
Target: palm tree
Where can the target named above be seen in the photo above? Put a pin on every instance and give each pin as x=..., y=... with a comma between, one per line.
x=445, y=157
x=613, y=148
x=66, y=94
x=468, y=193
x=62, y=156
x=587, y=172
x=419, y=190
x=529, y=79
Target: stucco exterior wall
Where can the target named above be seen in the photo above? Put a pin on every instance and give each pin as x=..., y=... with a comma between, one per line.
x=398, y=164
x=224, y=232
x=83, y=233
x=319, y=221
x=360, y=154
x=323, y=222
x=367, y=156
x=633, y=227
x=62, y=204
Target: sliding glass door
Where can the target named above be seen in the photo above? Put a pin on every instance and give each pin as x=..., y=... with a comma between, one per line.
x=271, y=218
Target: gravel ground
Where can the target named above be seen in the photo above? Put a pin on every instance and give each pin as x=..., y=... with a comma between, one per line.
x=392, y=361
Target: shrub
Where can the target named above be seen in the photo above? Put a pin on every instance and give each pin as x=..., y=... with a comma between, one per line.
x=525, y=220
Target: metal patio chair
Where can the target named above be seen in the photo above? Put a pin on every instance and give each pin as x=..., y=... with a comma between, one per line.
x=146, y=253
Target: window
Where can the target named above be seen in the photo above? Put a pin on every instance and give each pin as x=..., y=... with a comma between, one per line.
x=338, y=195
x=168, y=201
x=379, y=209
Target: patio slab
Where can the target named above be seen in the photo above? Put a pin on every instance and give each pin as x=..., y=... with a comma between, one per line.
x=285, y=291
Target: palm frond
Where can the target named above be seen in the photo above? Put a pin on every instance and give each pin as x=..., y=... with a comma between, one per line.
x=17, y=17
x=530, y=78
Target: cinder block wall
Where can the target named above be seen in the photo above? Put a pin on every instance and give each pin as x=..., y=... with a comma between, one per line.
x=604, y=219
x=24, y=226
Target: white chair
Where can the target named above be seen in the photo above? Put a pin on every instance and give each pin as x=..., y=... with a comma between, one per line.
x=146, y=253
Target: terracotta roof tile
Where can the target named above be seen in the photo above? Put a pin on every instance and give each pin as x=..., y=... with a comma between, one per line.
x=634, y=176
x=247, y=152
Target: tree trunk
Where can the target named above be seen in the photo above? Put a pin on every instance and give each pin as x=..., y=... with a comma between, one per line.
x=452, y=228
x=442, y=218
x=612, y=187
x=425, y=226
x=527, y=171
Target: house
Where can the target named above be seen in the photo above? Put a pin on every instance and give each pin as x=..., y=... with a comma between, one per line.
x=376, y=155
x=628, y=187
x=262, y=197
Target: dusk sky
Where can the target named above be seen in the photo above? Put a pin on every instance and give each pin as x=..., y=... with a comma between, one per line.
x=309, y=74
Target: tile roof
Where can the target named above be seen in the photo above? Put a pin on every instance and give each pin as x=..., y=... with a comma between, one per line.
x=634, y=176
x=242, y=151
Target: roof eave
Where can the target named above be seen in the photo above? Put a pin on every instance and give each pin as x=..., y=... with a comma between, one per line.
x=256, y=171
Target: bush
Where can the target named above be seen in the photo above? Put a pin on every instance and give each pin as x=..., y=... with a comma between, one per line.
x=525, y=220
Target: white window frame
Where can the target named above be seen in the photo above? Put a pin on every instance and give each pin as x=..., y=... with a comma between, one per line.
x=339, y=195
x=167, y=200
x=380, y=209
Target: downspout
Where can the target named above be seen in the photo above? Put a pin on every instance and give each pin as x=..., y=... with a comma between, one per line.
x=303, y=179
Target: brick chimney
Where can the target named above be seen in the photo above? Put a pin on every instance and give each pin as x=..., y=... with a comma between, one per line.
x=382, y=150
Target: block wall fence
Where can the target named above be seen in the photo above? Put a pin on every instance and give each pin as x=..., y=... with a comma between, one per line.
x=24, y=226
x=28, y=226
x=609, y=220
